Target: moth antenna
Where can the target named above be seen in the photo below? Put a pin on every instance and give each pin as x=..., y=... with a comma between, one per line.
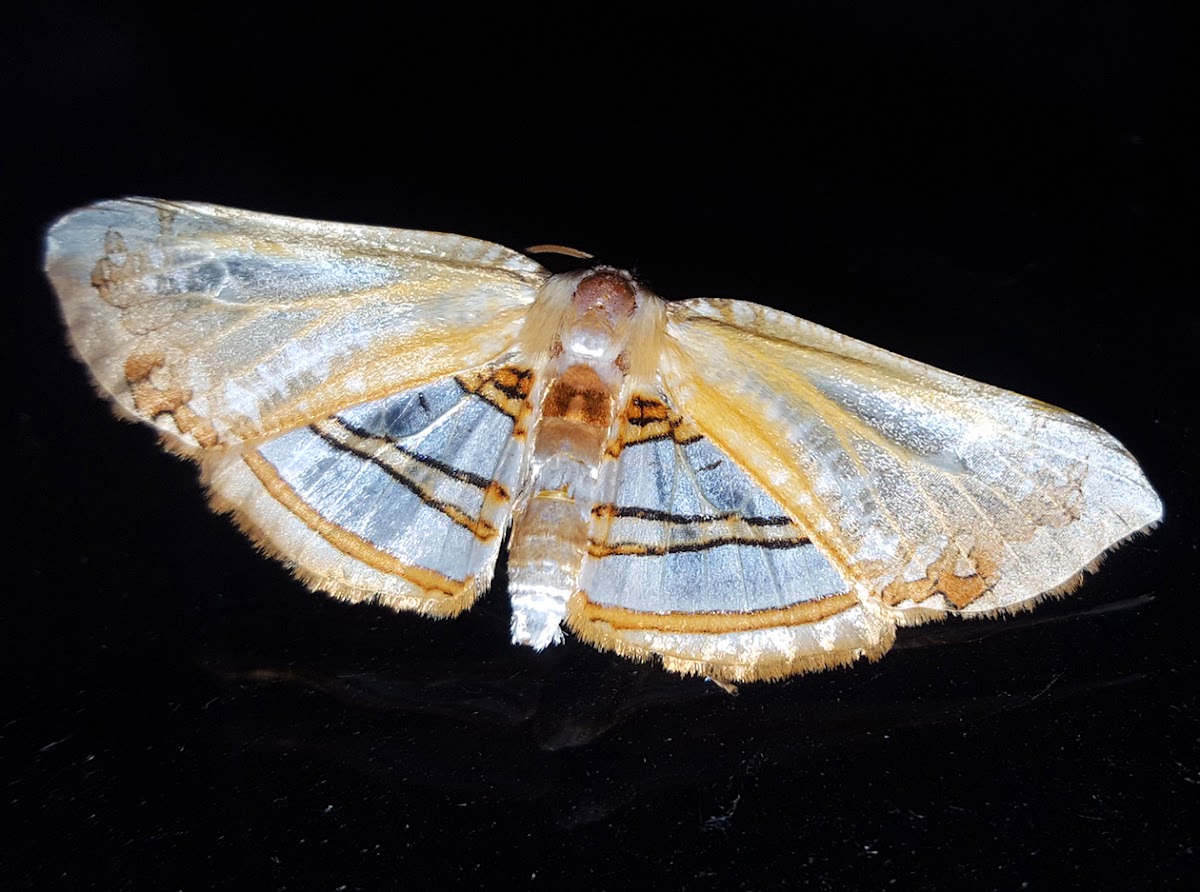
x=560, y=249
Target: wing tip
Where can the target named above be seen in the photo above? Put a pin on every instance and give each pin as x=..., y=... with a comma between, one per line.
x=920, y=613
x=428, y=603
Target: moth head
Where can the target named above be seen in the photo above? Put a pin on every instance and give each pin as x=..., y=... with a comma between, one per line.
x=602, y=304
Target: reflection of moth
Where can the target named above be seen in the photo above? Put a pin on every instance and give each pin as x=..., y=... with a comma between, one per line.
x=743, y=493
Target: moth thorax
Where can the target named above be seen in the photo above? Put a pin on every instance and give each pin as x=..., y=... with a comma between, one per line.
x=603, y=302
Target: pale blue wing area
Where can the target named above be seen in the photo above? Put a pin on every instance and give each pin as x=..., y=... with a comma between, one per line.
x=681, y=528
x=425, y=476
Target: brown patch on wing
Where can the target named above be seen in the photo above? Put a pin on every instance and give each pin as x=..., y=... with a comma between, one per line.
x=127, y=280
x=115, y=270
x=942, y=577
x=646, y=419
x=118, y=280
x=507, y=388
x=1056, y=502
x=154, y=400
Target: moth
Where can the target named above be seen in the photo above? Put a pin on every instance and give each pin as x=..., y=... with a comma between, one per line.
x=738, y=492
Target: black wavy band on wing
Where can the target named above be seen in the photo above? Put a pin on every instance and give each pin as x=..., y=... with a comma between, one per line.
x=429, y=461
x=337, y=433
x=774, y=533
x=670, y=517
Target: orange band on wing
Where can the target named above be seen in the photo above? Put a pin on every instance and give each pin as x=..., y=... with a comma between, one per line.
x=716, y=623
x=351, y=544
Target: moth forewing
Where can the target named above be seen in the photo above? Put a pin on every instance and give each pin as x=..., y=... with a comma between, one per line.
x=940, y=493
x=222, y=327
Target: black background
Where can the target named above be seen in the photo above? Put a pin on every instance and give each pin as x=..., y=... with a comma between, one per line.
x=1005, y=190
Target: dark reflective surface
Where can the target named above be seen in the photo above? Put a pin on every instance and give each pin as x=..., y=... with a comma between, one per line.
x=1009, y=196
